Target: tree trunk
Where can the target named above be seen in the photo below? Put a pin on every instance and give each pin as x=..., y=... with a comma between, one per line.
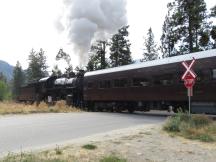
x=190, y=36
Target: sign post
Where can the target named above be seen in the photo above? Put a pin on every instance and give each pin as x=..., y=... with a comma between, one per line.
x=190, y=91
x=189, y=77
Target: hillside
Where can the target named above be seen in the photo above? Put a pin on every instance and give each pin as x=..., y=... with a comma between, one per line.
x=6, y=69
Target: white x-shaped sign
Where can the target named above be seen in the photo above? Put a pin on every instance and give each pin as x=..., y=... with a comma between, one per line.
x=188, y=69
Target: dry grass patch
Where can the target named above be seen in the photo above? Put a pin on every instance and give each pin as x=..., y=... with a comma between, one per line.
x=197, y=127
x=20, y=108
x=31, y=157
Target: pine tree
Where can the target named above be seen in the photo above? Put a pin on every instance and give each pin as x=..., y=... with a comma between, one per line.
x=37, y=65
x=2, y=77
x=4, y=88
x=213, y=30
x=18, y=79
x=169, y=36
x=98, y=60
x=56, y=71
x=213, y=11
x=120, y=53
x=69, y=71
x=42, y=62
x=63, y=55
x=92, y=63
x=189, y=19
x=204, y=40
x=213, y=35
x=150, y=51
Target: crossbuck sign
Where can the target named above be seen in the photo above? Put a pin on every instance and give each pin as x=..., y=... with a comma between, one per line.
x=189, y=77
x=189, y=71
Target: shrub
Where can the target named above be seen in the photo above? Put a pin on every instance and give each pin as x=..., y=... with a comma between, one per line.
x=183, y=117
x=89, y=147
x=205, y=138
x=58, y=151
x=4, y=91
x=200, y=121
x=112, y=159
x=172, y=124
x=212, y=129
x=197, y=127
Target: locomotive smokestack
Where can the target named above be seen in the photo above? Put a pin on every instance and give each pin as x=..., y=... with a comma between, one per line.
x=87, y=20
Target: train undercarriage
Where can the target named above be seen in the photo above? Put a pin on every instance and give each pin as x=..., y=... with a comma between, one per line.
x=144, y=106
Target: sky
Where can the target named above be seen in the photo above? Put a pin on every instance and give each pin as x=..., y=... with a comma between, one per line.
x=27, y=24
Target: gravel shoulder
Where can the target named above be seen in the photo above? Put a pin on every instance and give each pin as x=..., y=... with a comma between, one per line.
x=144, y=143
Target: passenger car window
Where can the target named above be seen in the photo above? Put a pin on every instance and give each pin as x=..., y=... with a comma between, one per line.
x=166, y=82
x=164, y=79
x=214, y=73
x=90, y=85
x=140, y=82
x=105, y=84
x=120, y=82
x=200, y=77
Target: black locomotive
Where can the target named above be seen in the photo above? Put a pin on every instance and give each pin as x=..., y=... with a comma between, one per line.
x=136, y=87
x=53, y=88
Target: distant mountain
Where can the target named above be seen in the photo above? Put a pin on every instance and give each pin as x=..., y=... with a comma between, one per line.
x=6, y=69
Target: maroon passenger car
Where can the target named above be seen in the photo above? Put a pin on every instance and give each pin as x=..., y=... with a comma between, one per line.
x=153, y=85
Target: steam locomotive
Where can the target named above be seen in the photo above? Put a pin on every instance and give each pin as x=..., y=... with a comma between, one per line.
x=137, y=87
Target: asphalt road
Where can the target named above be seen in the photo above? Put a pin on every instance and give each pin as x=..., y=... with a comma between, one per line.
x=18, y=132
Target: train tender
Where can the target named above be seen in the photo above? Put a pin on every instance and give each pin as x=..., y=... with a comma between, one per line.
x=37, y=90
x=137, y=87
x=153, y=85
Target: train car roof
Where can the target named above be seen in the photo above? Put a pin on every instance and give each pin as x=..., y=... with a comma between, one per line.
x=168, y=60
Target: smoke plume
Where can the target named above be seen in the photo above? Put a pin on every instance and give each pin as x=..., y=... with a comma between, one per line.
x=87, y=20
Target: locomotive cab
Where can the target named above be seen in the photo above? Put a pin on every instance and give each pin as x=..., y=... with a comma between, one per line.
x=74, y=88
x=45, y=87
x=59, y=92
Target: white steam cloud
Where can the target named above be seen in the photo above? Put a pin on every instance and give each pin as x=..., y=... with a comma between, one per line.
x=87, y=20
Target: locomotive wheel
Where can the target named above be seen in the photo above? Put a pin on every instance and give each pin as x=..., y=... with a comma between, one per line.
x=94, y=109
x=130, y=110
x=118, y=110
x=111, y=110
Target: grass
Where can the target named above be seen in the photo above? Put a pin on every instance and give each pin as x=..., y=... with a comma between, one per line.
x=38, y=158
x=89, y=147
x=29, y=158
x=112, y=158
x=20, y=108
x=58, y=151
x=62, y=155
x=196, y=127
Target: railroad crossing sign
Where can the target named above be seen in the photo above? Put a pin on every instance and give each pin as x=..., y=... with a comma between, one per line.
x=189, y=77
x=189, y=70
